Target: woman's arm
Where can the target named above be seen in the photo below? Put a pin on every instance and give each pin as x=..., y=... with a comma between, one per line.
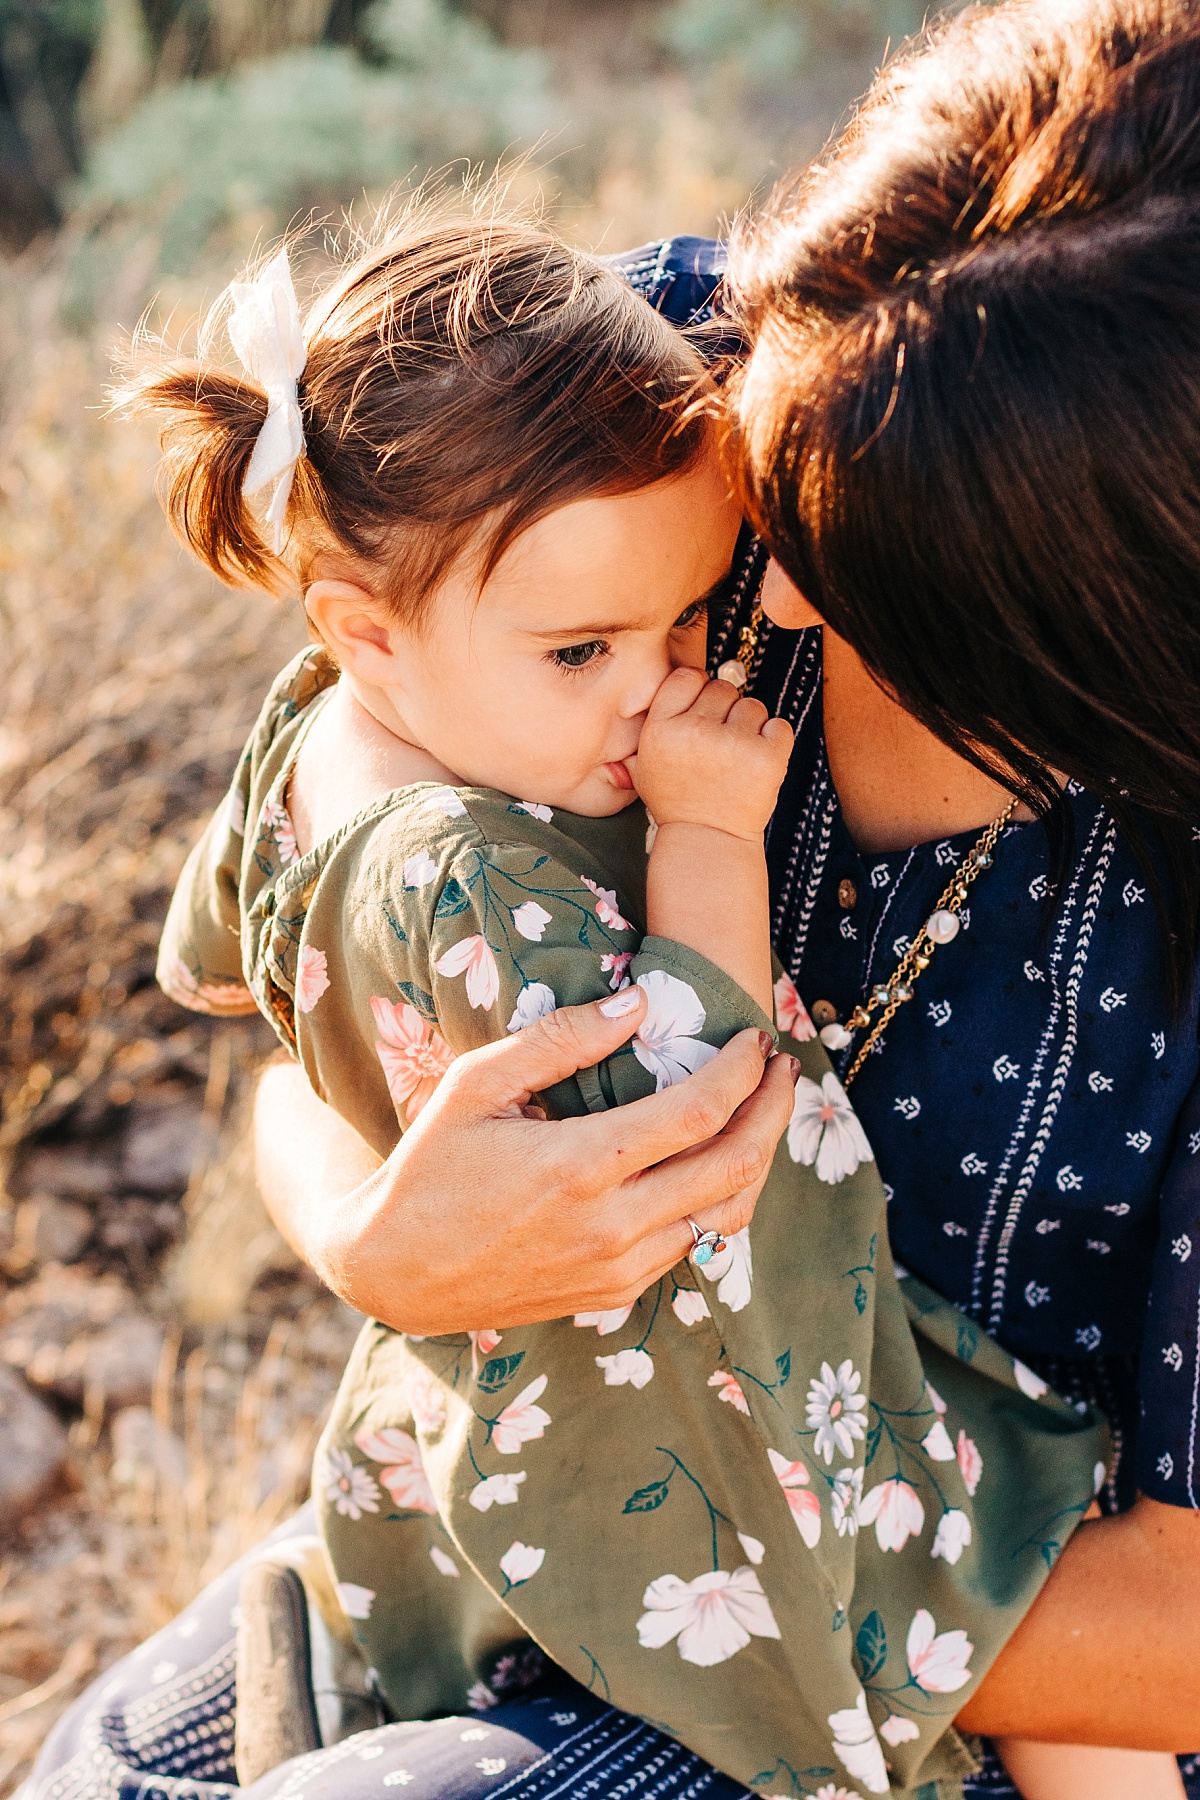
x=1110, y=1652
x=485, y=1216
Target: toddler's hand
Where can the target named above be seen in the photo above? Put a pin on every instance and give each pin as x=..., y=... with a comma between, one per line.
x=709, y=757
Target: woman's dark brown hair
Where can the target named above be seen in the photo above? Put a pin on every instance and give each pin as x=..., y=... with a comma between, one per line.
x=970, y=424
x=467, y=373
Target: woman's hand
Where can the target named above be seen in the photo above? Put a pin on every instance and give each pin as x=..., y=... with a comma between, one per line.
x=489, y=1215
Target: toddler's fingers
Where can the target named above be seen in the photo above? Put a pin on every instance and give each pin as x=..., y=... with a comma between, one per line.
x=778, y=732
x=748, y=717
x=677, y=693
x=716, y=701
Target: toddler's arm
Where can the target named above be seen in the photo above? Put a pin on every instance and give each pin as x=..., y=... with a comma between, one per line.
x=708, y=767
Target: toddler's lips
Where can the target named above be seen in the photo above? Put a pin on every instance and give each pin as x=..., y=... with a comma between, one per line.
x=620, y=774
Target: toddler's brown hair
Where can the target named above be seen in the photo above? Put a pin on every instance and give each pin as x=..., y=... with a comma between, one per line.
x=467, y=373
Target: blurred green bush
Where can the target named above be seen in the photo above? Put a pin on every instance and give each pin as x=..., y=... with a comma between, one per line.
x=314, y=127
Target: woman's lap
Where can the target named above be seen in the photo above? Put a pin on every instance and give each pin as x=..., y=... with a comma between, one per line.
x=159, y=1726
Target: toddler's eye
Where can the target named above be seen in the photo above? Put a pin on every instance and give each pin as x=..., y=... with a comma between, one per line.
x=691, y=615
x=578, y=656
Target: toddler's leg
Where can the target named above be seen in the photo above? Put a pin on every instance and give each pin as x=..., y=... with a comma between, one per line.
x=1082, y=1772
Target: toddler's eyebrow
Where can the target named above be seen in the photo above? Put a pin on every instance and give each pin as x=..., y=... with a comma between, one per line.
x=578, y=632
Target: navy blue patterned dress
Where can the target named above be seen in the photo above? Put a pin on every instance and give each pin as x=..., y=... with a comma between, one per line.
x=1035, y=1111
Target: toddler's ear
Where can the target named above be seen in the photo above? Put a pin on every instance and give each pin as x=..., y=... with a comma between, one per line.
x=355, y=626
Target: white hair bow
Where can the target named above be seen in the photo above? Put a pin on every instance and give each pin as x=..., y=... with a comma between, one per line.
x=264, y=327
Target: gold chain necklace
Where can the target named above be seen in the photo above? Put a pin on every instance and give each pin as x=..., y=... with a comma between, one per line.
x=941, y=927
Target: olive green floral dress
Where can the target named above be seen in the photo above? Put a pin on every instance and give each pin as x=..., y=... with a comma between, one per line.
x=789, y=1515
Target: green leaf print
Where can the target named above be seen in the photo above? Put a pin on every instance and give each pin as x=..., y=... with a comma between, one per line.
x=783, y=1367
x=648, y=1499
x=499, y=1371
x=417, y=997
x=968, y=1340
x=452, y=899
x=870, y=1645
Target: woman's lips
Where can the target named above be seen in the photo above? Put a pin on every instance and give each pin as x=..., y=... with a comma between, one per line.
x=620, y=774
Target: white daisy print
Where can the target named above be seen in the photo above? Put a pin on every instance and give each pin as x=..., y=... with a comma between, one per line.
x=834, y=1410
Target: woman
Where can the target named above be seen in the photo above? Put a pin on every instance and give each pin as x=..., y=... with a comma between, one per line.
x=968, y=428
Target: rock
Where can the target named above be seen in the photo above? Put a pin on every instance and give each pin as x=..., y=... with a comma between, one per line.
x=143, y=1446
x=133, y=1223
x=102, y=1370
x=160, y=1148
x=46, y=1230
x=33, y=1449
x=84, y=1339
x=69, y=1171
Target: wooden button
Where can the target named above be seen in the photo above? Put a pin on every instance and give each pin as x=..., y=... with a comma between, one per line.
x=823, y=1012
x=847, y=895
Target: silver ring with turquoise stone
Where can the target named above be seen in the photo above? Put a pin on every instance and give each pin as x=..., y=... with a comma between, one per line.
x=705, y=1244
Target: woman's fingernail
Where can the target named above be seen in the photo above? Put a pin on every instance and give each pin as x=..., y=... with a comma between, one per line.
x=626, y=1001
x=766, y=1044
x=794, y=1070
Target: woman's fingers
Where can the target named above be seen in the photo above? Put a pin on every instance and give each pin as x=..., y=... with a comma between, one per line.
x=644, y=1132
x=499, y=1080
x=720, y=1181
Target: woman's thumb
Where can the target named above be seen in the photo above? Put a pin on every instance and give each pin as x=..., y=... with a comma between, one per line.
x=501, y=1077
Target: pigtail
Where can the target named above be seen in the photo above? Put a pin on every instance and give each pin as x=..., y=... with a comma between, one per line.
x=212, y=420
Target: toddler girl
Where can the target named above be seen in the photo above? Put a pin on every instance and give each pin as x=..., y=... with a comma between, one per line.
x=789, y=1504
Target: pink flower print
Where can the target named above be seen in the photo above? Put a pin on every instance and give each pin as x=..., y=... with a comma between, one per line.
x=952, y=1536
x=531, y=920
x=521, y=1420
x=938, y=1662
x=484, y=1341
x=970, y=1463
x=1027, y=1381
x=689, y=1306
x=729, y=1388
x=605, y=1322
x=805, y=1506
x=356, y=1601
x=935, y=1400
x=426, y=1399
x=404, y=1476
x=277, y=820
x=713, y=1617
x=618, y=966
x=473, y=957
x=312, y=978
x=179, y=984
x=667, y=1041
x=606, y=906
x=896, y=1730
x=414, y=1057
x=496, y=1490
x=633, y=1366
x=445, y=1565
x=856, y=1745
x=825, y=1129
x=936, y=1443
x=895, y=1511
x=520, y=1561
x=791, y=1014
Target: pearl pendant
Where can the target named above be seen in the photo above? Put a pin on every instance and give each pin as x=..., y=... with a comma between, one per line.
x=732, y=672
x=834, y=1037
x=942, y=926
x=718, y=1264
